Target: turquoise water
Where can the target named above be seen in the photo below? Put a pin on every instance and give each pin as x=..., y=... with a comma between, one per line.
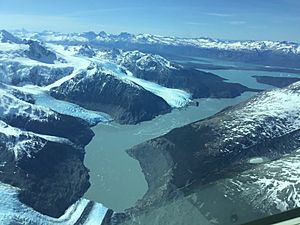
x=111, y=167
x=244, y=77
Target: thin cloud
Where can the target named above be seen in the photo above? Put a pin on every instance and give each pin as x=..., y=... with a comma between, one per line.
x=197, y=23
x=104, y=10
x=219, y=14
x=237, y=23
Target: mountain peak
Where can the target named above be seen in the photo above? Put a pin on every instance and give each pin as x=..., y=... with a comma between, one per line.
x=125, y=35
x=6, y=37
x=37, y=51
x=103, y=34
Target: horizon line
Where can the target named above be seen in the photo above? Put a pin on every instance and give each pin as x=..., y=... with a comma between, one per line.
x=136, y=33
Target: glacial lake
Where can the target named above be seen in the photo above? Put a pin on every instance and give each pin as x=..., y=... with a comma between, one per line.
x=116, y=179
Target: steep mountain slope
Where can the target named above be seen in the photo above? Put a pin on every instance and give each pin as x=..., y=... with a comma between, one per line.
x=271, y=187
x=40, y=53
x=266, y=126
x=125, y=102
x=6, y=37
x=12, y=211
x=42, y=153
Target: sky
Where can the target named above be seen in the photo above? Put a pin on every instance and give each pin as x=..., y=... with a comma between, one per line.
x=224, y=19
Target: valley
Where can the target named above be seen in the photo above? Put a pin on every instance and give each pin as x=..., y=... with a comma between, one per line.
x=126, y=127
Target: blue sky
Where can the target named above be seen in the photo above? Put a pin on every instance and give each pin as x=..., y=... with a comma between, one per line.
x=226, y=19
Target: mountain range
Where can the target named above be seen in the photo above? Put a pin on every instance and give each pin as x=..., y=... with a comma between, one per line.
x=267, y=53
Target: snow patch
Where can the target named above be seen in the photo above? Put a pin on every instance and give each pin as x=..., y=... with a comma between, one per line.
x=276, y=112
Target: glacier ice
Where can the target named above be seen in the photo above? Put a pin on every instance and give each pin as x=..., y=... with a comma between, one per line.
x=42, y=98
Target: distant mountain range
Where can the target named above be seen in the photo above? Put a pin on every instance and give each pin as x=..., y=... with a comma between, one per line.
x=271, y=53
x=208, y=43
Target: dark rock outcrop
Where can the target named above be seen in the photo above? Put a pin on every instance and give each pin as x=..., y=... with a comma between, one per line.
x=276, y=81
x=6, y=37
x=50, y=174
x=87, y=51
x=39, y=52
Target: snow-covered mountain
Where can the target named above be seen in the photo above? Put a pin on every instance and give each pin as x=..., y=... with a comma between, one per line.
x=147, y=84
x=208, y=43
x=6, y=37
x=274, y=180
x=30, y=63
x=12, y=211
x=42, y=140
x=231, y=144
x=35, y=142
x=267, y=53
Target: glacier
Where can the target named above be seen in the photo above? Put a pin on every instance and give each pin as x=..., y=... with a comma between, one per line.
x=42, y=98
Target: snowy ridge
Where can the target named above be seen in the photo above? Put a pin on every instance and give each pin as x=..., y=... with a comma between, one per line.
x=24, y=143
x=174, y=97
x=12, y=211
x=20, y=63
x=6, y=37
x=207, y=43
x=278, y=182
x=18, y=142
x=143, y=61
x=10, y=106
x=277, y=112
x=37, y=51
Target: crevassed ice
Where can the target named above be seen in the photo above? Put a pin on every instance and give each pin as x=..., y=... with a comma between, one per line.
x=44, y=99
